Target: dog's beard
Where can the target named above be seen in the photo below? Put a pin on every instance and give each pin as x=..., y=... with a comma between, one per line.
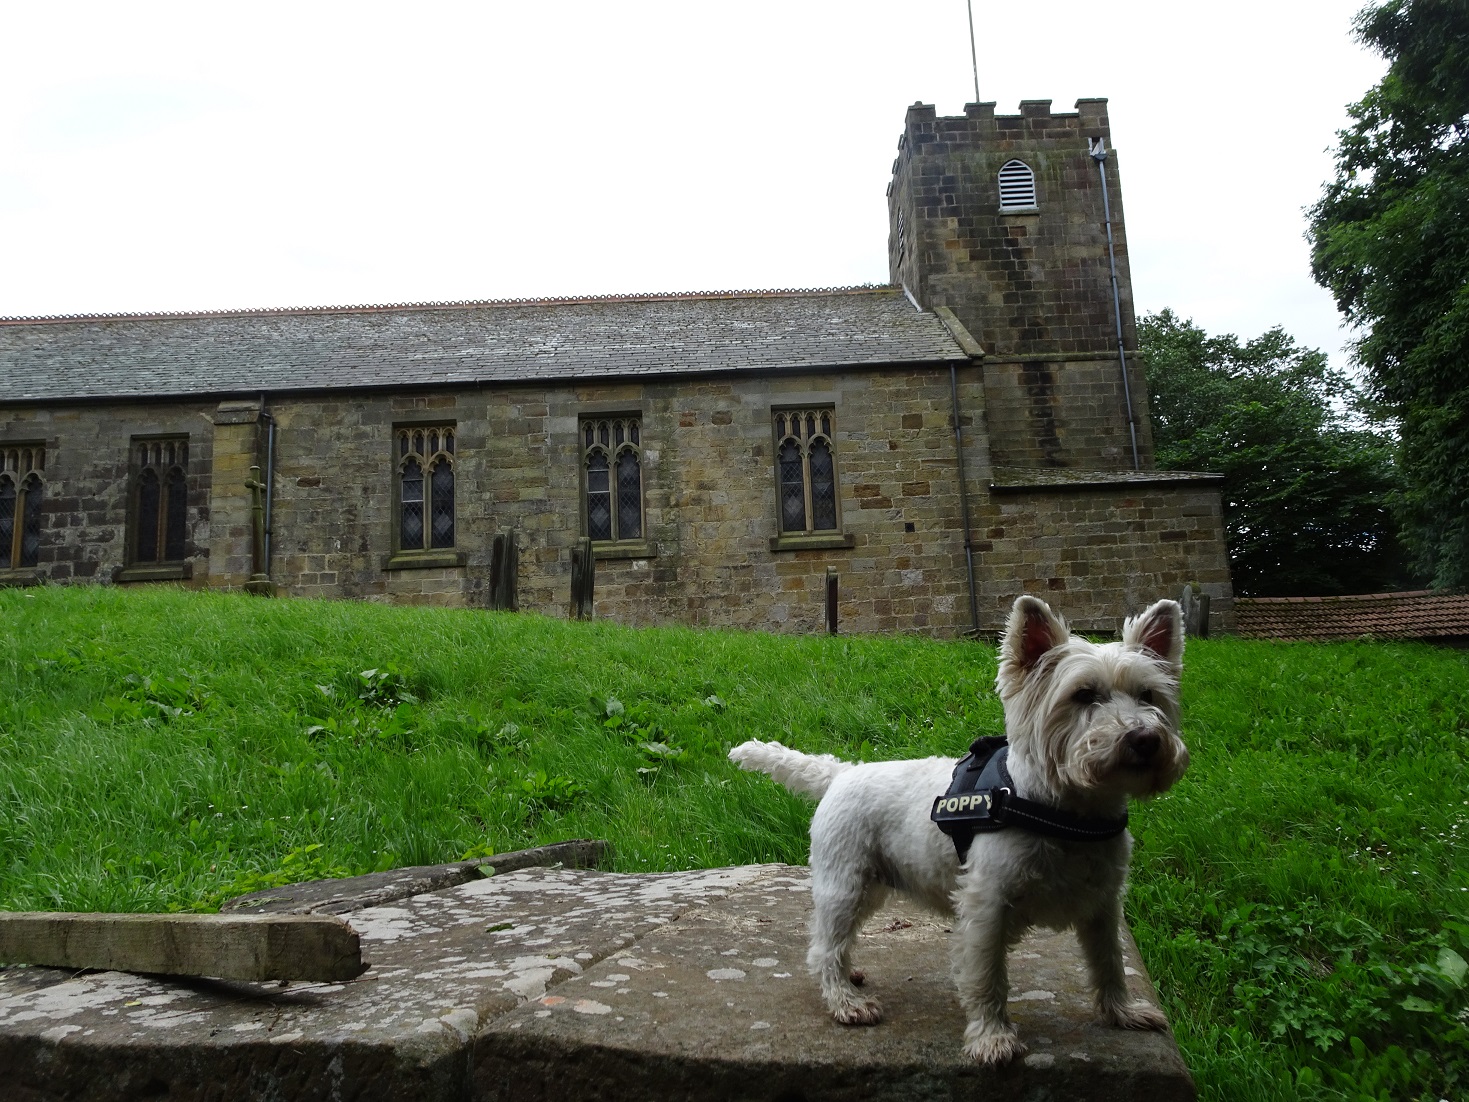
x=1095, y=725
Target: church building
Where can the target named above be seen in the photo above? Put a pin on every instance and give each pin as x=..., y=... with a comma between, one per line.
x=925, y=450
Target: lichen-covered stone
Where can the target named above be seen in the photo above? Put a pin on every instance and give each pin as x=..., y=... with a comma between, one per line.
x=547, y=983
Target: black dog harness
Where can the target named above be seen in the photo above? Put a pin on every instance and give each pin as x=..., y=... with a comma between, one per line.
x=981, y=797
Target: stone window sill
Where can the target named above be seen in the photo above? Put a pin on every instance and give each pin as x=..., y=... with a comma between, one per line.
x=625, y=549
x=834, y=541
x=155, y=572
x=19, y=576
x=1005, y=212
x=423, y=560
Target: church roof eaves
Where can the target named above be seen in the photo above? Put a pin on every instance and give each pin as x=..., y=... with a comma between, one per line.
x=466, y=344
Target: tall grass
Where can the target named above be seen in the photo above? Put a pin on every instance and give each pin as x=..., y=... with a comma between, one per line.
x=1301, y=897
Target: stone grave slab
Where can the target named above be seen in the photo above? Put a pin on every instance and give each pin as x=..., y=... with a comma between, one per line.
x=557, y=983
x=718, y=1005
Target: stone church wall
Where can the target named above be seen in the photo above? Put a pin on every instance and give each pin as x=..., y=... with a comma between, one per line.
x=709, y=495
x=84, y=511
x=709, y=489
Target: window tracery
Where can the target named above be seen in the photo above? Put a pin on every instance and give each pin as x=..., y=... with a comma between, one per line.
x=805, y=471
x=612, y=466
x=21, y=466
x=425, y=486
x=160, y=500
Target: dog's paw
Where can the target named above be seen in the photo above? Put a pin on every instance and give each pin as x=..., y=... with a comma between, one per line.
x=993, y=1047
x=1138, y=1015
x=856, y=1011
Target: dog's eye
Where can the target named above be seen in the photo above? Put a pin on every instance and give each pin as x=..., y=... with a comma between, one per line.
x=1086, y=697
x=1145, y=697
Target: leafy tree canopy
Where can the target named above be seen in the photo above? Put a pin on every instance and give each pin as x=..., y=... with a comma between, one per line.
x=1390, y=240
x=1305, y=490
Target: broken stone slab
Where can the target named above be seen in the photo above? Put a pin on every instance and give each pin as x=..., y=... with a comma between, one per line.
x=232, y=947
x=553, y=983
x=353, y=893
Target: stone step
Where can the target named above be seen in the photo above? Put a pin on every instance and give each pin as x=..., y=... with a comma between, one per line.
x=556, y=983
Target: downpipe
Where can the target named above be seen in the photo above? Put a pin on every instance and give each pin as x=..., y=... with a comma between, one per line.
x=1098, y=151
x=964, y=503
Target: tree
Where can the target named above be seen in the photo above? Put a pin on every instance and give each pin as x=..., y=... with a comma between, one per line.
x=1305, y=491
x=1390, y=240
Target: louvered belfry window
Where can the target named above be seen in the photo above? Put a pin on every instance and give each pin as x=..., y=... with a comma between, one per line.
x=20, y=504
x=160, y=500
x=425, y=461
x=805, y=471
x=612, y=459
x=1017, y=186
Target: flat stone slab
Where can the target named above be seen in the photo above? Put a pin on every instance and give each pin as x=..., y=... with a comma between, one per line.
x=556, y=983
x=353, y=893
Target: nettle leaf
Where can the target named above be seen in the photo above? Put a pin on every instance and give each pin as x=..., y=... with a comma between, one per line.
x=1452, y=966
x=1417, y=1005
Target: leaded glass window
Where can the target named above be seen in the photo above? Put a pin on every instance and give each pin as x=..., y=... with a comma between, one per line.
x=160, y=500
x=20, y=504
x=612, y=466
x=425, y=473
x=805, y=471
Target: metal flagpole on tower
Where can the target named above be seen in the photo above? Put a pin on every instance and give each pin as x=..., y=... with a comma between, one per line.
x=973, y=56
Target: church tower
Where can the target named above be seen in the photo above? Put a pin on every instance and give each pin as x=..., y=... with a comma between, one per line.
x=1001, y=219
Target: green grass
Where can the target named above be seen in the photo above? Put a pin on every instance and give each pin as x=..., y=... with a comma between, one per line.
x=1301, y=898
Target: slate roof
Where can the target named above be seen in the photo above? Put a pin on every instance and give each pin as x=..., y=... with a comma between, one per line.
x=1414, y=615
x=449, y=344
x=1016, y=479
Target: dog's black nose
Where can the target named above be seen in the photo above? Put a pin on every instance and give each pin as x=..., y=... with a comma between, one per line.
x=1141, y=744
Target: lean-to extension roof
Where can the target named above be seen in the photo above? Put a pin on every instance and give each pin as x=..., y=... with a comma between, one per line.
x=453, y=344
x=1419, y=614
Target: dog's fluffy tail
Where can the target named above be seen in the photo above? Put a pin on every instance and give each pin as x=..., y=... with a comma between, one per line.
x=808, y=774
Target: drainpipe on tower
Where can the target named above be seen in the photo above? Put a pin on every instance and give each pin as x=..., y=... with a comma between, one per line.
x=1098, y=150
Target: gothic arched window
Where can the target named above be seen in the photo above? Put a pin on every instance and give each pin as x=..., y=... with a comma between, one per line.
x=20, y=505
x=612, y=478
x=160, y=501
x=805, y=471
x=1017, y=186
x=425, y=487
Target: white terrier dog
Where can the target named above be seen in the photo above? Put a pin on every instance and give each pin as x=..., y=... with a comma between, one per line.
x=1089, y=727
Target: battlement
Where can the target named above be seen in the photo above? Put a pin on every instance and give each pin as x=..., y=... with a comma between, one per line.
x=925, y=131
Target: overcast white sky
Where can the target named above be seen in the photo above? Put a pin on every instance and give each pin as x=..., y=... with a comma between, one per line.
x=162, y=157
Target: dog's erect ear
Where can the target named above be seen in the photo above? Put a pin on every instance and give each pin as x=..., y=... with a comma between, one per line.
x=1032, y=631
x=1160, y=630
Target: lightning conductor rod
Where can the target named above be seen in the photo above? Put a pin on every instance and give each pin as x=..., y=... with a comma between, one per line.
x=1098, y=151
x=973, y=57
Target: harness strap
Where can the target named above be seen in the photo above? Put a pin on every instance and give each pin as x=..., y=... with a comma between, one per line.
x=981, y=798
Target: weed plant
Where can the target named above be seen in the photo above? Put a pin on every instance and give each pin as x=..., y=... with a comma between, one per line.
x=1301, y=897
